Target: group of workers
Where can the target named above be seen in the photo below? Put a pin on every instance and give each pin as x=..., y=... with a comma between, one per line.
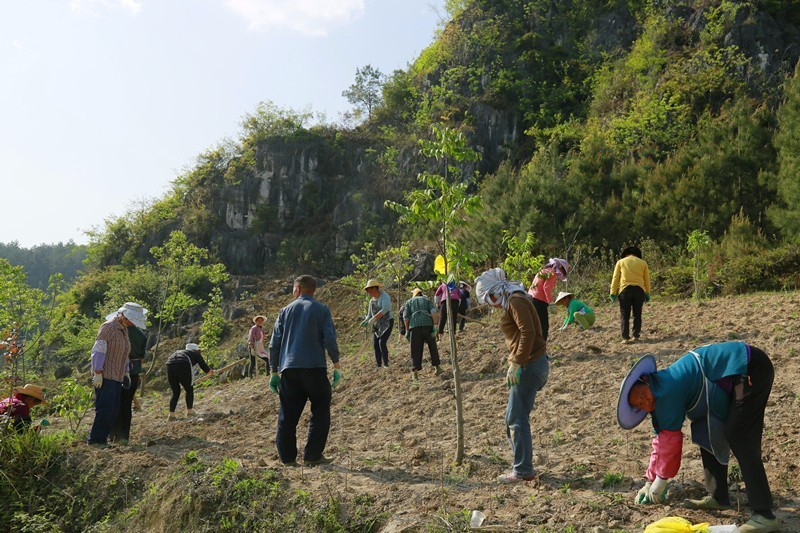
x=721, y=388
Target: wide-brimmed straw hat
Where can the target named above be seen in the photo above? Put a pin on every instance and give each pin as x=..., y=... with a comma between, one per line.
x=262, y=317
x=628, y=417
x=33, y=391
x=133, y=312
x=562, y=295
x=373, y=283
x=416, y=292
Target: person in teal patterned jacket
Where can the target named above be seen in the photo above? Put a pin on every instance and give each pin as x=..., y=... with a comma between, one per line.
x=418, y=317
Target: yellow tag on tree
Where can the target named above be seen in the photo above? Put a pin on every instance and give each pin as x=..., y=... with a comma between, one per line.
x=438, y=265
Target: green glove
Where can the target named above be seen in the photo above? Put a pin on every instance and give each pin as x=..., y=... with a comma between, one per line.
x=275, y=382
x=643, y=496
x=45, y=422
x=658, y=490
x=408, y=335
x=646, y=297
x=337, y=377
x=434, y=330
x=513, y=375
x=613, y=297
x=364, y=323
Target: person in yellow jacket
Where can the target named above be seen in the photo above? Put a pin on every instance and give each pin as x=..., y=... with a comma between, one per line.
x=631, y=285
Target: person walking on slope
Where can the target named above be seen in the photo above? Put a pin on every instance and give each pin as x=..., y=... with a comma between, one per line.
x=577, y=312
x=528, y=365
x=121, y=428
x=379, y=317
x=447, y=289
x=723, y=389
x=541, y=289
x=463, y=305
x=303, y=332
x=631, y=283
x=180, y=374
x=110, y=367
x=418, y=316
x=255, y=344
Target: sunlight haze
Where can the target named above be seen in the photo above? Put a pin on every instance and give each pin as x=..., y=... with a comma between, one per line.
x=106, y=101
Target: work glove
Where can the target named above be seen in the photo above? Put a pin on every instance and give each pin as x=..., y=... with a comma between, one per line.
x=275, y=382
x=337, y=377
x=97, y=380
x=408, y=335
x=435, y=330
x=655, y=492
x=126, y=381
x=646, y=297
x=513, y=374
x=613, y=297
x=364, y=323
x=564, y=327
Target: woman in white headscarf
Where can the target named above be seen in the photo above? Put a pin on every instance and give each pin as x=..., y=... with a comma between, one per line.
x=528, y=366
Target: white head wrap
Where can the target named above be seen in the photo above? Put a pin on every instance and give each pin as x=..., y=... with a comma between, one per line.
x=494, y=282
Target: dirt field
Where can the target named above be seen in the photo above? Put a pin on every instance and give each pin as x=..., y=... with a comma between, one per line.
x=396, y=441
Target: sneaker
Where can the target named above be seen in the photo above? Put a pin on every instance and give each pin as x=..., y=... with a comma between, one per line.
x=171, y=417
x=315, y=462
x=513, y=478
x=190, y=412
x=290, y=464
x=708, y=503
x=437, y=370
x=99, y=445
x=415, y=377
x=626, y=341
x=760, y=524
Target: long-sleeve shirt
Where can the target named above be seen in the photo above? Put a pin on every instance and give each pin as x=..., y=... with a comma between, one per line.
x=138, y=340
x=303, y=332
x=630, y=270
x=114, y=361
x=384, y=306
x=16, y=409
x=192, y=357
x=418, y=311
x=255, y=334
x=543, y=284
x=677, y=388
x=576, y=306
x=438, y=296
x=522, y=330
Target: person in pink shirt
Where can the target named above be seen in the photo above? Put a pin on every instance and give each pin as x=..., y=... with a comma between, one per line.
x=542, y=289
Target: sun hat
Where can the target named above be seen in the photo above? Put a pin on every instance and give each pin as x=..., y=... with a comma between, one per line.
x=133, y=312
x=560, y=266
x=628, y=417
x=193, y=347
x=416, y=292
x=262, y=317
x=562, y=295
x=373, y=283
x=31, y=390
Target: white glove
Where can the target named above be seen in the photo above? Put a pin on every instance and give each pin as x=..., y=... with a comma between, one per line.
x=658, y=490
x=97, y=380
x=513, y=374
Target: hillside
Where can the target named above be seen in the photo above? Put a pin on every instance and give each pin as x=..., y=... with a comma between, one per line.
x=392, y=443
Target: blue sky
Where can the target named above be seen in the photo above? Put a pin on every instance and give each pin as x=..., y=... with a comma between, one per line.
x=104, y=102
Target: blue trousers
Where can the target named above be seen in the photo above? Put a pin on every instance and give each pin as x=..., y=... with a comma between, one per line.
x=521, y=398
x=106, y=406
x=298, y=386
x=379, y=345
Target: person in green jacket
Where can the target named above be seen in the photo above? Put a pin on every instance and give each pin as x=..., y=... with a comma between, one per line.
x=577, y=311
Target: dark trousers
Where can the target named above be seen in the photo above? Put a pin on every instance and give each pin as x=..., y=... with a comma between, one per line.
x=180, y=375
x=420, y=336
x=463, y=307
x=631, y=299
x=251, y=367
x=121, y=428
x=743, y=431
x=443, y=315
x=299, y=385
x=543, y=309
x=106, y=405
x=379, y=346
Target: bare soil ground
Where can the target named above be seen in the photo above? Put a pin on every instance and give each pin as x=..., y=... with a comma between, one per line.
x=396, y=441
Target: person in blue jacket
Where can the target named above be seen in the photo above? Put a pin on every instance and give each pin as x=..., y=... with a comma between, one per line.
x=723, y=390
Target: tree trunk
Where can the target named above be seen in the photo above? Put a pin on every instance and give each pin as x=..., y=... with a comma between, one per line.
x=456, y=380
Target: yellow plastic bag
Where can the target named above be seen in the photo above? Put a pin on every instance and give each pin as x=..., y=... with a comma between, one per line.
x=675, y=524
